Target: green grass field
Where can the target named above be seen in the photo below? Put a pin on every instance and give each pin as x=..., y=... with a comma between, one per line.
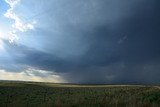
x=28, y=94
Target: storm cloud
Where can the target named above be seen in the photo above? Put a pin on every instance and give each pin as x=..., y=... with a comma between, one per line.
x=106, y=41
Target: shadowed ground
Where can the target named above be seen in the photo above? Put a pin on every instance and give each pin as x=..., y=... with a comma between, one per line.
x=30, y=94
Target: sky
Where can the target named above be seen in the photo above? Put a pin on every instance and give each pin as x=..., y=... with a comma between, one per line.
x=80, y=41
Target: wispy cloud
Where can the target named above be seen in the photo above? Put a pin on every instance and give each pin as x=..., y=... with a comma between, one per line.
x=12, y=3
x=18, y=24
x=121, y=40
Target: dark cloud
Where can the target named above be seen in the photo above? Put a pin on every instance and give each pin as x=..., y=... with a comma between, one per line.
x=97, y=42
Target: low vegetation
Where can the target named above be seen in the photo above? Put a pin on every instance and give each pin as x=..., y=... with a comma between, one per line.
x=28, y=94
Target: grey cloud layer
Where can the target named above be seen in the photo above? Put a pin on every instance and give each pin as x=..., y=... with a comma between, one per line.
x=81, y=38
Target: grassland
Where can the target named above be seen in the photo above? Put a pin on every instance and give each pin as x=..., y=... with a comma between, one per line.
x=29, y=94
